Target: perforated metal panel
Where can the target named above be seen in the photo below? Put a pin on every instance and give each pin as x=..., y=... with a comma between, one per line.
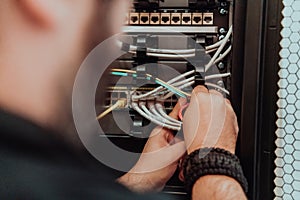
x=287, y=170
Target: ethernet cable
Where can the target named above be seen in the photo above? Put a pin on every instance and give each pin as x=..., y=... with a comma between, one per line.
x=119, y=104
x=162, y=119
x=188, y=84
x=185, y=53
x=221, y=57
x=164, y=53
x=167, y=55
x=123, y=72
x=173, y=89
x=159, y=95
x=142, y=113
x=160, y=109
x=181, y=85
x=215, y=45
x=211, y=50
x=154, y=110
x=221, y=47
x=218, y=87
x=183, y=82
x=133, y=49
x=217, y=76
x=171, y=55
x=160, y=82
x=170, y=94
x=172, y=51
x=177, y=78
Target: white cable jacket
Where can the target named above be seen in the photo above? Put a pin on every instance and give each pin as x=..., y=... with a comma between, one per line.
x=211, y=50
x=156, y=113
x=167, y=55
x=217, y=76
x=218, y=87
x=133, y=48
x=212, y=61
x=221, y=57
x=181, y=83
x=171, y=51
x=159, y=118
x=215, y=45
x=160, y=109
x=141, y=112
x=181, y=87
x=177, y=78
x=171, y=55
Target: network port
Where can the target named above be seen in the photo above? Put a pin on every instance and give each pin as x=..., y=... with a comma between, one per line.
x=176, y=18
x=208, y=18
x=165, y=19
x=186, y=19
x=154, y=18
x=144, y=18
x=197, y=19
x=134, y=18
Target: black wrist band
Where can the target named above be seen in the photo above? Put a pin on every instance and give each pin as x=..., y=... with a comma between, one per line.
x=212, y=161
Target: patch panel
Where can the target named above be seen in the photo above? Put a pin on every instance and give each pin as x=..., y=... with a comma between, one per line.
x=167, y=18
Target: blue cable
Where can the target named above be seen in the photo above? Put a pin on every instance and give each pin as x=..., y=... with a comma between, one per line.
x=157, y=81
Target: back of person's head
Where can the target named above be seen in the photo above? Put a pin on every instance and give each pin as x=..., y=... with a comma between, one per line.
x=42, y=44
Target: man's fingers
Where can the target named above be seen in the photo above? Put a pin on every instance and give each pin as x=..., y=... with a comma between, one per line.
x=228, y=101
x=173, y=140
x=199, y=89
x=216, y=93
x=220, y=94
x=181, y=102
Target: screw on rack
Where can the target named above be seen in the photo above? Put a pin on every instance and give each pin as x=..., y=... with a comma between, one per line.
x=220, y=83
x=222, y=30
x=221, y=66
x=223, y=11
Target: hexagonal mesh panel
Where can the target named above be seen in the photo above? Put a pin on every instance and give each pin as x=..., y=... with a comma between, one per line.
x=287, y=170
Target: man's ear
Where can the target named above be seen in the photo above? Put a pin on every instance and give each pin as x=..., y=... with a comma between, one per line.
x=41, y=12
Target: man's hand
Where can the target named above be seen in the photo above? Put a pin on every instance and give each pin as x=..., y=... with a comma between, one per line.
x=158, y=161
x=209, y=121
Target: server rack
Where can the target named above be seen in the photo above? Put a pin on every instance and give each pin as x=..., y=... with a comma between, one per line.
x=253, y=87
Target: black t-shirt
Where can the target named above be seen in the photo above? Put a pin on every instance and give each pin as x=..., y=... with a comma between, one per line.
x=34, y=164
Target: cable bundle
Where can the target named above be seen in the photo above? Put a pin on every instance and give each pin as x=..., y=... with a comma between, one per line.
x=146, y=104
x=187, y=53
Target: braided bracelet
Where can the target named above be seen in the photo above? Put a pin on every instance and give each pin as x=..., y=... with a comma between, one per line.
x=212, y=161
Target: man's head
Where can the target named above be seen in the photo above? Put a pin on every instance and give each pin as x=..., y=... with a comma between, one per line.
x=42, y=44
x=63, y=25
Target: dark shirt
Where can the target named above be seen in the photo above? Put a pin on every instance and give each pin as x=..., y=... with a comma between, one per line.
x=35, y=164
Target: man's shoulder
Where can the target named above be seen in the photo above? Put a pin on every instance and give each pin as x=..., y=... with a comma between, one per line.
x=37, y=165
